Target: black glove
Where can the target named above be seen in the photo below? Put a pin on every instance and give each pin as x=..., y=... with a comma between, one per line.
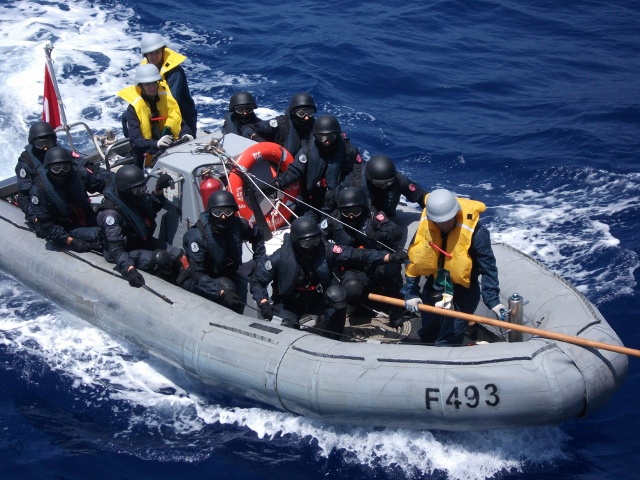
x=135, y=278
x=231, y=299
x=266, y=310
x=80, y=246
x=271, y=188
x=164, y=181
x=398, y=257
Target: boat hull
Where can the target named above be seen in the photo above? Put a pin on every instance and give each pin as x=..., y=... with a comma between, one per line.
x=499, y=385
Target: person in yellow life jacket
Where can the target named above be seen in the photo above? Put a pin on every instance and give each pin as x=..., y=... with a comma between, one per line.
x=155, y=51
x=451, y=249
x=153, y=117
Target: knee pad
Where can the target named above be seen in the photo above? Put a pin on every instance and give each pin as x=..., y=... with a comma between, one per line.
x=227, y=284
x=353, y=288
x=336, y=297
x=160, y=263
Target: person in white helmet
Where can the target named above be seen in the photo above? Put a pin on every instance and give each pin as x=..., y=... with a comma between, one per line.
x=451, y=249
x=169, y=64
x=153, y=117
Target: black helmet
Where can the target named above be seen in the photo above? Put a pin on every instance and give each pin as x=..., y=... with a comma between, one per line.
x=242, y=98
x=221, y=207
x=305, y=233
x=57, y=155
x=352, y=197
x=44, y=132
x=129, y=177
x=302, y=100
x=326, y=124
x=380, y=171
x=352, y=203
x=222, y=199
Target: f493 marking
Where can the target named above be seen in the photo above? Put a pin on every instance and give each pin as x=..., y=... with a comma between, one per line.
x=468, y=396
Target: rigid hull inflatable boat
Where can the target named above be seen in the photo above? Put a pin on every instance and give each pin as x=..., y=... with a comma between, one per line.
x=523, y=382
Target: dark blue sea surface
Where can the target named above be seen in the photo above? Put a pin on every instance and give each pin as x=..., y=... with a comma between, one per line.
x=532, y=107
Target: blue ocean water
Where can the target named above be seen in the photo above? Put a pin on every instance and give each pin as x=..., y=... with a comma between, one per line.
x=530, y=106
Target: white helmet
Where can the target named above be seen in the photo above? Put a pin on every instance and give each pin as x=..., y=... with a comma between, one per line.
x=151, y=42
x=147, y=73
x=441, y=205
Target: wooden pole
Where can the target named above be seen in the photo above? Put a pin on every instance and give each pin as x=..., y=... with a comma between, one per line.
x=561, y=337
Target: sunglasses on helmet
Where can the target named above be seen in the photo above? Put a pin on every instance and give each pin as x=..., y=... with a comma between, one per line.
x=44, y=142
x=218, y=212
x=139, y=190
x=351, y=212
x=59, y=168
x=309, y=242
x=326, y=137
x=305, y=112
x=242, y=109
x=383, y=183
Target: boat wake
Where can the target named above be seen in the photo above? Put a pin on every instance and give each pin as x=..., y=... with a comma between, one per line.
x=112, y=396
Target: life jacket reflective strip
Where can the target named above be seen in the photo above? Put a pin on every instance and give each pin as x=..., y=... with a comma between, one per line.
x=167, y=107
x=424, y=259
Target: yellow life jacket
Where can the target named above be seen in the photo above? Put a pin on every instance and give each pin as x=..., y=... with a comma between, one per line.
x=167, y=107
x=170, y=60
x=424, y=258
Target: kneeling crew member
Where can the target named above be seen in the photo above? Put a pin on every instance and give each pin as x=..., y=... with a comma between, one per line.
x=301, y=272
x=214, y=251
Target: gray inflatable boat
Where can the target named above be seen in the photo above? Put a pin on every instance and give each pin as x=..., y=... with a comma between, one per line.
x=523, y=382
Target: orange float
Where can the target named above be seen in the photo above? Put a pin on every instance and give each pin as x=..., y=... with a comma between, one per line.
x=276, y=159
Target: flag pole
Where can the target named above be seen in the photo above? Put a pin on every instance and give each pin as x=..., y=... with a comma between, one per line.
x=48, y=48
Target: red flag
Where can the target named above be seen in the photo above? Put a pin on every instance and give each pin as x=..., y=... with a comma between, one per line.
x=50, y=107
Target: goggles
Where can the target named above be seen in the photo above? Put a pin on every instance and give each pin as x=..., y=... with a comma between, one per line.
x=383, y=183
x=44, y=142
x=351, y=212
x=218, y=212
x=139, y=190
x=326, y=137
x=59, y=168
x=305, y=112
x=242, y=109
x=310, y=242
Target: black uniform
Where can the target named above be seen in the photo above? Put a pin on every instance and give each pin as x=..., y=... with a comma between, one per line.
x=128, y=225
x=176, y=79
x=214, y=259
x=374, y=231
x=298, y=285
x=58, y=211
x=320, y=171
x=285, y=130
x=385, y=200
x=32, y=159
x=234, y=123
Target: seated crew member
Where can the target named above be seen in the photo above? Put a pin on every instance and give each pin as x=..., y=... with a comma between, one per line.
x=127, y=218
x=214, y=251
x=384, y=185
x=60, y=208
x=320, y=165
x=452, y=249
x=290, y=130
x=301, y=275
x=42, y=137
x=168, y=62
x=359, y=227
x=241, y=113
x=153, y=116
